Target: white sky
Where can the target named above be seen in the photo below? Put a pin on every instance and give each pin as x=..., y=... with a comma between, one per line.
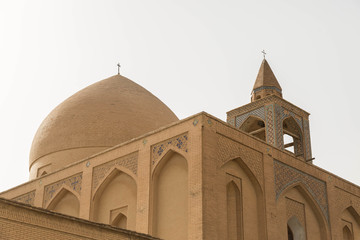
x=194, y=55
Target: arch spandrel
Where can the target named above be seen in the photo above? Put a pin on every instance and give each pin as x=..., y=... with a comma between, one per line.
x=65, y=201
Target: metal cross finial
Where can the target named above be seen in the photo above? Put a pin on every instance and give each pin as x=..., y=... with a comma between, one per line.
x=118, y=65
x=264, y=53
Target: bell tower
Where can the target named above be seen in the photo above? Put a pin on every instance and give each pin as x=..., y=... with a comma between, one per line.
x=272, y=119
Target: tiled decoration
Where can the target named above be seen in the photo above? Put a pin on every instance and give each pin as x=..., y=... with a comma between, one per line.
x=286, y=176
x=129, y=161
x=180, y=142
x=73, y=182
x=27, y=198
x=269, y=124
x=239, y=120
x=230, y=150
x=297, y=209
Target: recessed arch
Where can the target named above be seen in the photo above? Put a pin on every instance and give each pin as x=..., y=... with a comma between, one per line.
x=353, y=212
x=347, y=234
x=315, y=207
x=65, y=202
x=118, y=190
x=170, y=197
x=120, y=221
x=234, y=211
x=254, y=126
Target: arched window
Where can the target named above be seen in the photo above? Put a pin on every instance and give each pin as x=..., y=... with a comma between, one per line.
x=292, y=135
x=295, y=230
x=254, y=126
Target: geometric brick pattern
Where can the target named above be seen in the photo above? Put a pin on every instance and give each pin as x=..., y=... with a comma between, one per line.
x=231, y=122
x=73, y=182
x=269, y=124
x=307, y=140
x=297, y=209
x=229, y=149
x=278, y=128
x=129, y=161
x=257, y=112
x=27, y=198
x=286, y=176
x=180, y=142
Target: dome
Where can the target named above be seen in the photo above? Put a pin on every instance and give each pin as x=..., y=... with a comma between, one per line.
x=100, y=116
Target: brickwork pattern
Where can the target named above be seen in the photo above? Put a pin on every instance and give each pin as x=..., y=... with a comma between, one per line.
x=231, y=121
x=73, y=182
x=228, y=150
x=269, y=124
x=297, y=209
x=286, y=176
x=27, y=198
x=344, y=198
x=278, y=126
x=260, y=113
x=180, y=142
x=19, y=222
x=129, y=161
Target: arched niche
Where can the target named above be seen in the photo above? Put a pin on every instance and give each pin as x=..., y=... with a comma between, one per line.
x=170, y=197
x=120, y=221
x=65, y=202
x=116, y=194
x=292, y=137
x=295, y=230
x=254, y=126
x=347, y=234
x=239, y=201
x=301, y=201
x=350, y=222
x=234, y=211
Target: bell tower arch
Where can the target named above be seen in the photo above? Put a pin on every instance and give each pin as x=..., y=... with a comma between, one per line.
x=278, y=122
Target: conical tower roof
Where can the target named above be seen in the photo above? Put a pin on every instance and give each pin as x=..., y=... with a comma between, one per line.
x=266, y=77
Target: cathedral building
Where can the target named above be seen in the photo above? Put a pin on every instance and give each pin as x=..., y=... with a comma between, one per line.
x=114, y=162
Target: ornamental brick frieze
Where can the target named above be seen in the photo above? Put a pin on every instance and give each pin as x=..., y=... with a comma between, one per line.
x=73, y=182
x=229, y=149
x=129, y=161
x=239, y=120
x=295, y=208
x=179, y=142
x=286, y=176
x=27, y=198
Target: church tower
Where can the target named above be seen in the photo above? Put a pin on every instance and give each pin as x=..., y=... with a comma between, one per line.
x=273, y=119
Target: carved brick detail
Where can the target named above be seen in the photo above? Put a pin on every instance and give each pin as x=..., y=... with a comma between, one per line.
x=307, y=140
x=129, y=161
x=73, y=182
x=180, y=142
x=27, y=198
x=297, y=209
x=286, y=175
x=229, y=149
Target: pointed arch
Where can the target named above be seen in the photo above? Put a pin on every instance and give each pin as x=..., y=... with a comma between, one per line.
x=347, y=234
x=234, y=211
x=170, y=197
x=353, y=212
x=295, y=229
x=315, y=207
x=66, y=202
x=254, y=126
x=117, y=190
x=120, y=221
x=292, y=136
x=170, y=150
x=250, y=197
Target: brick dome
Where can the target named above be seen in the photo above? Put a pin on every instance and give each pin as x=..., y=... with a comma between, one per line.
x=100, y=116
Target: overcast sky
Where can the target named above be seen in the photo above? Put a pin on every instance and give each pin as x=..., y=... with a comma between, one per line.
x=193, y=55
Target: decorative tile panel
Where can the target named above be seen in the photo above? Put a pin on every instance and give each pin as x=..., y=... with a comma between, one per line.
x=297, y=209
x=27, y=198
x=307, y=140
x=286, y=176
x=180, y=142
x=229, y=149
x=269, y=124
x=129, y=161
x=257, y=112
x=73, y=182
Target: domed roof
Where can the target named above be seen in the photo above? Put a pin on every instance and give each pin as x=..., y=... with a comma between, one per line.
x=101, y=115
